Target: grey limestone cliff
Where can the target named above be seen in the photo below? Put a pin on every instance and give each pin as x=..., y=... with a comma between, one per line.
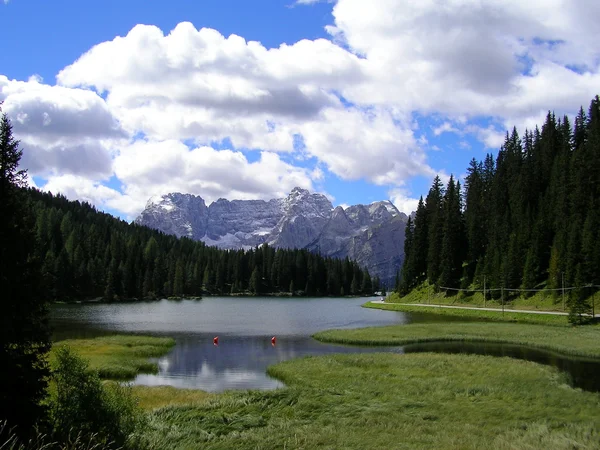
x=373, y=235
x=177, y=214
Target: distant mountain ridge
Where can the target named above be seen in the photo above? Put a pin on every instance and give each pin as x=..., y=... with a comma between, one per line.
x=372, y=235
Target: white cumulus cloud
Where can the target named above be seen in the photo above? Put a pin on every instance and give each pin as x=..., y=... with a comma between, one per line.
x=148, y=107
x=199, y=84
x=357, y=144
x=468, y=57
x=148, y=168
x=62, y=130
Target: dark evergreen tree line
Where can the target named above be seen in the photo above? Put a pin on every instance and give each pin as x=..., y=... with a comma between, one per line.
x=87, y=254
x=528, y=219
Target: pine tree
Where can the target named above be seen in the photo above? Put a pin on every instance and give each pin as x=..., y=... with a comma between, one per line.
x=590, y=259
x=420, y=243
x=147, y=286
x=178, y=283
x=408, y=273
x=208, y=277
x=475, y=215
x=397, y=282
x=24, y=335
x=354, y=286
x=367, y=285
x=580, y=133
x=110, y=291
x=434, y=206
x=453, y=241
x=531, y=270
x=254, y=284
x=579, y=304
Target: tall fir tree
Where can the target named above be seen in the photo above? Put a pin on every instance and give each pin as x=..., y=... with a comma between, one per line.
x=24, y=334
x=408, y=273
x=474, y=217
x=453, y=239
x=434, y=206
x=420, y=243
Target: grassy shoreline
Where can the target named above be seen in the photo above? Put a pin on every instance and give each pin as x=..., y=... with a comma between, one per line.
x=540, y=301
x=480, y=315
x=119, y=357
x=378, y=400
x=384, y=400
x=573, y=341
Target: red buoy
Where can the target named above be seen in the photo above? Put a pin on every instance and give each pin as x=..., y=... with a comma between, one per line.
x=273, y=341
x=216, y=340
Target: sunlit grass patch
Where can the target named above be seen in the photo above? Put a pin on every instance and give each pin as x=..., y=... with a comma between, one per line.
x=542, y=300
x=579, y=341
x=152, y=397
x=487, y=316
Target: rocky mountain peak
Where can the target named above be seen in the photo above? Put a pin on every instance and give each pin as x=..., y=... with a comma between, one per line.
x=298, y=191
x=302, y=202
x=176, y=213
x=376, y=208
x=372, y=234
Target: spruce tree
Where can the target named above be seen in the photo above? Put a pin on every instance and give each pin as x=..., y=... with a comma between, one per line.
x=434, y=207
x=475, y=217
x=367, y=285
x=24, y=335
x=580, y=307
x=408, y=273
x=254, y=284
x=420, y=244
x=453, y=240
x=178, y=282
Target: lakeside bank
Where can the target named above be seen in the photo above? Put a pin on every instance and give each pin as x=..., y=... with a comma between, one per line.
x=474, y=313
x=389, y=400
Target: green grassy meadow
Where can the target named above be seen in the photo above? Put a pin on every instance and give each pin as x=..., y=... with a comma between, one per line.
x=119, y=357
x=417, y=401
x=540, y=301
x=573, y=341
x=380, y=400
x=476, y=314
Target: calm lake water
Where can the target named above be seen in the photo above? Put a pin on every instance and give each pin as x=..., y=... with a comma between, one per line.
x=245, y=327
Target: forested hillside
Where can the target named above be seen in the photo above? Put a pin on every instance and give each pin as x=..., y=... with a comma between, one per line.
x=87, y=254
x=528, y=219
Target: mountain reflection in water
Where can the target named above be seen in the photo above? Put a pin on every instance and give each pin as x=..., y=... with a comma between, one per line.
x=236, y=363
x=245, y=351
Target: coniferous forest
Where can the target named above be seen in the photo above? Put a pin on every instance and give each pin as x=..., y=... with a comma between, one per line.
x=55, y=249
x=528, y=219
x=87, y=254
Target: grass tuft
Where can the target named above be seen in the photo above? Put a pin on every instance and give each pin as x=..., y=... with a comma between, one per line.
x=153, y=397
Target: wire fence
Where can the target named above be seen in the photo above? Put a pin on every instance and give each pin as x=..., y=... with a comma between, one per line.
x=570, y=288
x=561, y=294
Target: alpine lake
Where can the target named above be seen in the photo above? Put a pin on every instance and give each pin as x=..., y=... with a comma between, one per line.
x=245, y=327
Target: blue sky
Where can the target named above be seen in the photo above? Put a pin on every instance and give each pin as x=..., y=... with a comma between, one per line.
x=115, y=102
